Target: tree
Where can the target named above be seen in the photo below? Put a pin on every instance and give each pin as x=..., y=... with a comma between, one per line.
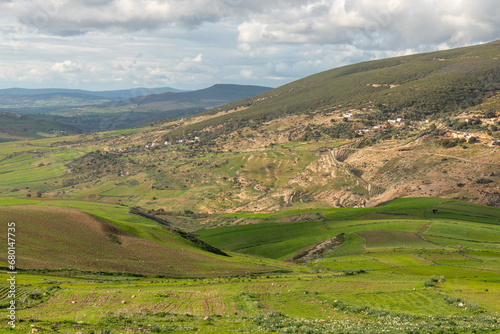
x=490, y=114
x=473, y=140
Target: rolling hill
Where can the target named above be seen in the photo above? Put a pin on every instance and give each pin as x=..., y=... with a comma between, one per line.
x=15, y=126
x=77, y=236
x=406, y=224
x=364, y=199
x=44, y=93
x=230, y=159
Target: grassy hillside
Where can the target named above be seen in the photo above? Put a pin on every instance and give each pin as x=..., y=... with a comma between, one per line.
x=116, y=167
x=293, y=157
x=413, y=87
x=401, y=267
x=80, y=236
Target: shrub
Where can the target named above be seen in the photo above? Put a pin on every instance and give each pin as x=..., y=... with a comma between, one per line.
x=490, y=114
x=448, y=143
x=430, y=283
x=484, y=181
x=36, y=295
x=473, y=140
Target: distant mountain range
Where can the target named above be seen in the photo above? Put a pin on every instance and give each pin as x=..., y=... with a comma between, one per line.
x=145, y=99
x=52, y=100
x=107, y=94
x=69, y=111
x=210, y=97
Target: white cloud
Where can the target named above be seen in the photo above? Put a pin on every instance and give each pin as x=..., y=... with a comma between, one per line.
x=190, y=64
x=274, y=21
x=66, y=67
x=246, y=73
x=197, y=59
x=383, y=24
x=376, y=24
x=368, y=23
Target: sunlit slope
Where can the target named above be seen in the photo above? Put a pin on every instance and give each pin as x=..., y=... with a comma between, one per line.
x=98, y=237
x=414, y=86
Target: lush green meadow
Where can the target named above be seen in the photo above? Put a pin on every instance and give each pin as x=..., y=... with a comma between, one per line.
x=400, y=269
x=400, y=224
x=97, y=237
x=327, y=302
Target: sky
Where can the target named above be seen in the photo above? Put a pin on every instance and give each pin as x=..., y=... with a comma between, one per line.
x=193, y=44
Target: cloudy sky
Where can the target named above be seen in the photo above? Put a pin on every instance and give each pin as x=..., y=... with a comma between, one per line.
x=192, y=44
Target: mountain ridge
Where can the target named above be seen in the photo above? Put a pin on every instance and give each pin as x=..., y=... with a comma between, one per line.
x=415, y=86
x=120, y=94
x=206, y=98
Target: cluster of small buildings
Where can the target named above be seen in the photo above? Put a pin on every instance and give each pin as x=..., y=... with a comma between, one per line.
x=150, y=145
x=179, y=141
x=391, y=122
x=113, y=150
x=396, y=122
x=460, y=135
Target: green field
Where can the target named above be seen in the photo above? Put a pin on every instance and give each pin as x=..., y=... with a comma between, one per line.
x=73, y=235
x=400, y=224
x=88, y=267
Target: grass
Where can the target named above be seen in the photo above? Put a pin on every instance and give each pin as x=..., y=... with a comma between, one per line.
x=400, y=223
x=465, y=231
x=418, y=302
x=353, y=262
x=62, y=235
x=248, y=303
x=391, y=274
x=353, y=245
